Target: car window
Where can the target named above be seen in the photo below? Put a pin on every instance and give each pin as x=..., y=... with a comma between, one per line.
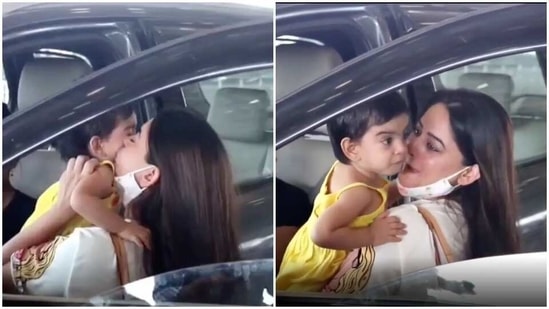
x=517, y=82
x=5, y=88
x=166, y=32
x=260, y=80
x=240, y=108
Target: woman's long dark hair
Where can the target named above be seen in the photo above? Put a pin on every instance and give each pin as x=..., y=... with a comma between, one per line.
x=484, y=134
x=190, y=210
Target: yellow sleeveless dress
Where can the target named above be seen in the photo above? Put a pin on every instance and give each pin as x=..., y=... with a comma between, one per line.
x=46, y=201
x=307, y=267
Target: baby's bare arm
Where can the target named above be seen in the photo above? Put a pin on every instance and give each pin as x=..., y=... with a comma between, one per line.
x=332, y=228
x=87, y=200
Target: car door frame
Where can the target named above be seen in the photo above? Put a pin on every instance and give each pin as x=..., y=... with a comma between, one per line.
x=305, y=109
x=191, y=59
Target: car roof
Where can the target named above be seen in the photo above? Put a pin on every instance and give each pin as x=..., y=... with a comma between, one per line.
x=214, y=13
x=422, y=14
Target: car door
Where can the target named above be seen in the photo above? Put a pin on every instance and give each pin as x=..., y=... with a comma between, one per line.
x=238, y=49
x=486, y=35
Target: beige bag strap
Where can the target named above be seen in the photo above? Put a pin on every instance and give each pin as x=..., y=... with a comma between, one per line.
x=437, y=234
x=121, y=259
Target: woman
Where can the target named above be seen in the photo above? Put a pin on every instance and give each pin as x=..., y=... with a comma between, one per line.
x=462, y=178
x=179, y=171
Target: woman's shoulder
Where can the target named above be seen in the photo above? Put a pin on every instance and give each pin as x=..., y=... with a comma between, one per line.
x=90, y=234
x=407, y=209
x=436, y=206
x=439, y=209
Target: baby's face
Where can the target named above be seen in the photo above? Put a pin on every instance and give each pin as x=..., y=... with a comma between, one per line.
x=383, y=148
x=133, y=155
x=125, y=128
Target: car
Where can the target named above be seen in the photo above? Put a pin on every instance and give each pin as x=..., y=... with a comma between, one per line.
x=455, y=284
x=68, y=63
x=481, y=49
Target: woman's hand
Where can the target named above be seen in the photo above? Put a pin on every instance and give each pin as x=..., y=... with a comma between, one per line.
x=77, y=168
x=137, y=234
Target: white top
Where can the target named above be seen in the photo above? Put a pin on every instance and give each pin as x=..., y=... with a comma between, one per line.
x=416, y=251
x=85, y=265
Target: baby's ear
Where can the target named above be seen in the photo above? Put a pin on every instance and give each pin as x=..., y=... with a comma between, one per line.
x=350, y=149
x=95, y=147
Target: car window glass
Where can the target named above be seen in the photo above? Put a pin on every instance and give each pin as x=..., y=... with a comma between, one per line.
x=5, y=88
x=336, y=37
x=517, y=83
x=240, y=108
x=164, y=33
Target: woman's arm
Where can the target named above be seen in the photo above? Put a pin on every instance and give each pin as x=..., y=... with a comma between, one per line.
x=332, y=228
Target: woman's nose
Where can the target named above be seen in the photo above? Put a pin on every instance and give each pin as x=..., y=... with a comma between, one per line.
x=411, y=143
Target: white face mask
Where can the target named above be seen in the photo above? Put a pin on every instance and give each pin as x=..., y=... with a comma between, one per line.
x=129, y=186
x=437, y=189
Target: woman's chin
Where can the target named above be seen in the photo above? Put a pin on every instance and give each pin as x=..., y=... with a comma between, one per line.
x=409, y=179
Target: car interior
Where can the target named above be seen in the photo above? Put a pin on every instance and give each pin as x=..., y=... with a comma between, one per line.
x=303, y=162
x=29, y=69
x=239, y=116
x=39, y=169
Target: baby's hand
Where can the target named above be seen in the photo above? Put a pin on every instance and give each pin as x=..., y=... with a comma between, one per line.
x=137, y=234
x=387, y=229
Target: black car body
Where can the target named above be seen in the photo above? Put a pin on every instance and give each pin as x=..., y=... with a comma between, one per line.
x=415, y=59
x=155, y=56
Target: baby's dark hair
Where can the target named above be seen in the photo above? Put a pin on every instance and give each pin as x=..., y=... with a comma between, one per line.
x=355, y=122
x=75, y=142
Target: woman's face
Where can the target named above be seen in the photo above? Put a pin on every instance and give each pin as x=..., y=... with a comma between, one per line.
x=134, y=153
x=433, y=152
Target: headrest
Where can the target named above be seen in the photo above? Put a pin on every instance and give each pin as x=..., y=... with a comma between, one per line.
x=40, y=79
x=36, y=171
x=44, y=77
x=240, y=114
x=498, y=86
x=301, y=63
x=532, y=105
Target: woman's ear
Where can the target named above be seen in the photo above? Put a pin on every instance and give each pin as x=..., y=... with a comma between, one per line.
x=148, y=177
x=350, y=149
x=469, y=176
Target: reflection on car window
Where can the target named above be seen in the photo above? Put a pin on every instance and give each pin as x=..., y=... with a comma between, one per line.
x=517, y=83
x=240, y=109
x=5, y=89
